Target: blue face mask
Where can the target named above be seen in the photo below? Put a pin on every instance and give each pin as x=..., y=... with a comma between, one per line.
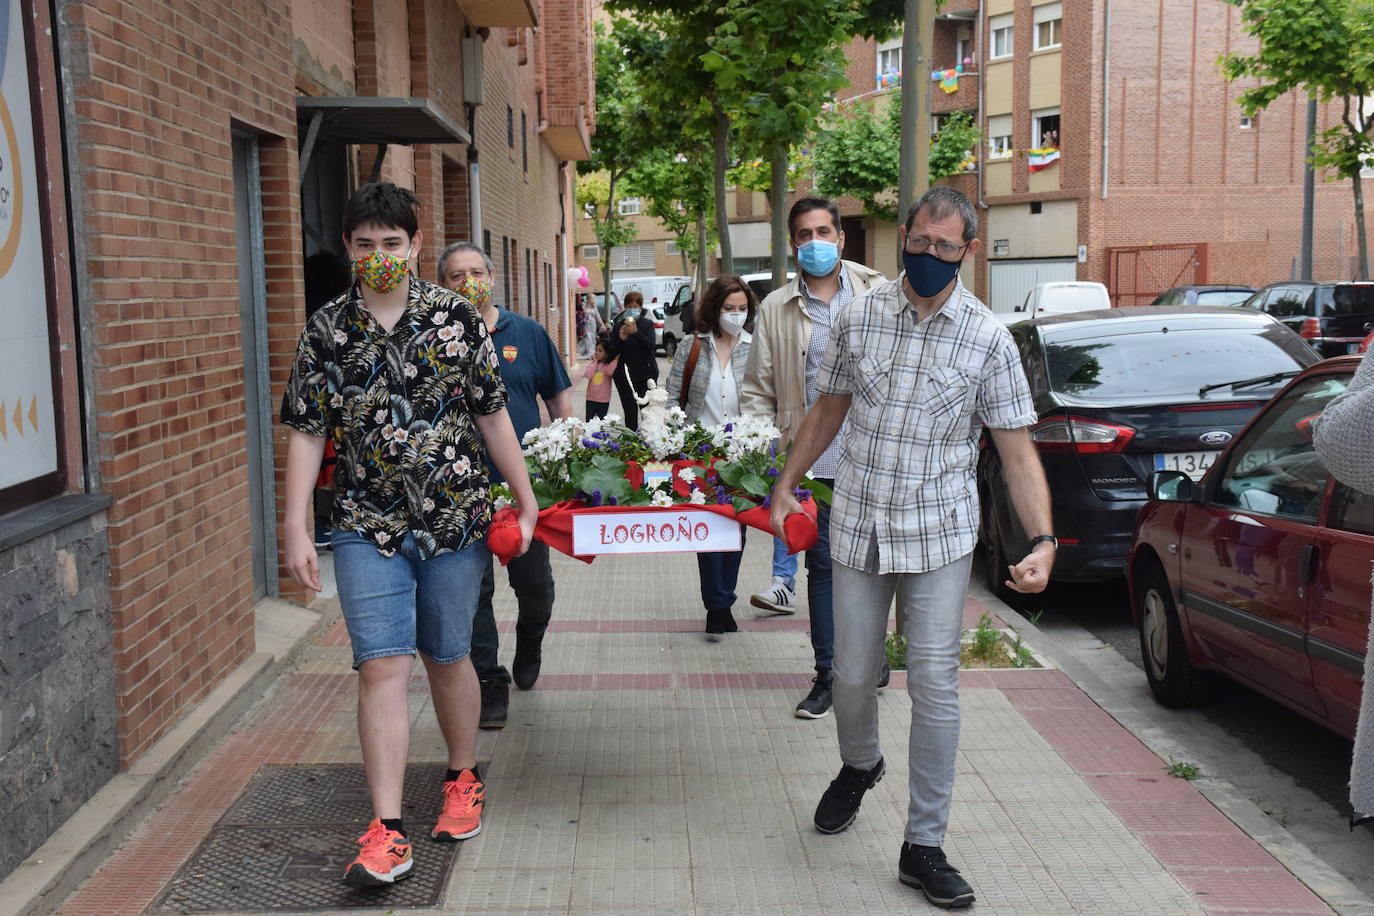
x=927, y=274
x=632, y=313
x=818, y=257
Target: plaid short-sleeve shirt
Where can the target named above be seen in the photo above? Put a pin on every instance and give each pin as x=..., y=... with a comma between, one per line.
x=921, y=393
x=400, y=408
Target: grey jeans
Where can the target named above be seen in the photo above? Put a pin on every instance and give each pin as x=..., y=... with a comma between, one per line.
x=934, y=605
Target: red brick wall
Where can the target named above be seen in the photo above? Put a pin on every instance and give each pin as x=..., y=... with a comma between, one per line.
x=156, y=86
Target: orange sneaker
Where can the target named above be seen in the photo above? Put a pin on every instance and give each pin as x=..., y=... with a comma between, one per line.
x=384, y=858
x=462, y=814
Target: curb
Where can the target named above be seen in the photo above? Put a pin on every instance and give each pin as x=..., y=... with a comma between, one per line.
x=1170, y=737
x=76, y=849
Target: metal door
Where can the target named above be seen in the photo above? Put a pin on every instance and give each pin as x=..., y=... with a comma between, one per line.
x=1010, y=281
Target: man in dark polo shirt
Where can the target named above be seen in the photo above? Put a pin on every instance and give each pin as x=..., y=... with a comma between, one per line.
x=530, y=369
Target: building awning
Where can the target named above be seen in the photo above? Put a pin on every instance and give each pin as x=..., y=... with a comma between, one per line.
x=512, y=14
x=373, y=119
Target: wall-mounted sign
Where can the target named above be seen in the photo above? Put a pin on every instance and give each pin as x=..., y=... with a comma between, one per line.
x=28, y=432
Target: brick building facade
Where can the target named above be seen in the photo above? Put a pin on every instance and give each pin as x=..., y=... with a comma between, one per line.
x=181, y=142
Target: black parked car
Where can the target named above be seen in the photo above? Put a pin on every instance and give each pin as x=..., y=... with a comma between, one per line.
x=1205, y=294
x=1333, y=317
x=1121, y=393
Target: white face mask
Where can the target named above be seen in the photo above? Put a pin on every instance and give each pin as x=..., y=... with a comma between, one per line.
x=733, y=322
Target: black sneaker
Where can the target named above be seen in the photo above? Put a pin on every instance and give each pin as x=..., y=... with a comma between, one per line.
x=840, y=803
x=817, y=702
x=885, y=677
x=718, y=623
x=525, y=668
x=495, y=703
x=926, y=868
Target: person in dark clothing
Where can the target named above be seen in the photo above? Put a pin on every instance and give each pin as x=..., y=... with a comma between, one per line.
x=633, y=342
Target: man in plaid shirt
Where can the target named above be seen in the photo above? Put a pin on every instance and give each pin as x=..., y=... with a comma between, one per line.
x=917, y=366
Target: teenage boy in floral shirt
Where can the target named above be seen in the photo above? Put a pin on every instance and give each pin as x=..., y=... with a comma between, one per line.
x=402, y=376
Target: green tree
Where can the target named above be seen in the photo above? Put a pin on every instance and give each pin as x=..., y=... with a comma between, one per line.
x=953, y=145
x=618, y=146
x=1326, y=49
x=858, y=154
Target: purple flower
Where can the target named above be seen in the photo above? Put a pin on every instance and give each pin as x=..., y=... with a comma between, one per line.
x=767, y=501
x=729, y=427
x=772, y=450
x=800, y=492
x=615, y=446
x=601, y=434
x=772, y=472
x=610, y=500
x=596, y=497
x=703, y=448
x=590, y=443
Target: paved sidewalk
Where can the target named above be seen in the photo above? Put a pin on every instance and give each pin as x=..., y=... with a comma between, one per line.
x=651, y=771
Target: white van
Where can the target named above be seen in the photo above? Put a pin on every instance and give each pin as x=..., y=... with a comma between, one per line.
x=668, y=293
x=1059, y=297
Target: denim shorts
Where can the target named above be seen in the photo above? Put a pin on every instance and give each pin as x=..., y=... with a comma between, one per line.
x=395, y=605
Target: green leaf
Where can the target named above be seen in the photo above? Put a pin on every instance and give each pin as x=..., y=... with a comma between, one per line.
x=731, y=473
x=742, y=504
x=823, y=494
x=755, y=484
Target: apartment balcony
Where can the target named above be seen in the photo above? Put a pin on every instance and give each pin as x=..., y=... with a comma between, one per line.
x=492, y=14
x=567, y=131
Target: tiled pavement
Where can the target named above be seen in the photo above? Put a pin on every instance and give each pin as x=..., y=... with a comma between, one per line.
x=651, y=771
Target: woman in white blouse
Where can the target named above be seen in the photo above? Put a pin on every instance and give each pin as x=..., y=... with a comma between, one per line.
x=706, y=378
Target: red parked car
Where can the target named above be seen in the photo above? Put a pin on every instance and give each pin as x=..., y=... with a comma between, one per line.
x=1260, y=570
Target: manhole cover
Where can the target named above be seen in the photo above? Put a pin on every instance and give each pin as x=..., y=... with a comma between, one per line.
x=283, y=845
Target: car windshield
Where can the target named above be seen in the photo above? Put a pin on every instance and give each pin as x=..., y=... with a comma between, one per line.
x=1222, y=296
x=1347, y=299
x=1161, y=363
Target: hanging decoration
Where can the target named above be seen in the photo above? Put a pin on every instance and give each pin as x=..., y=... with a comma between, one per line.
x=1038, y=159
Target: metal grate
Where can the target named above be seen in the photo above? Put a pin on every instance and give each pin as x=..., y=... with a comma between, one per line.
x=283, y=846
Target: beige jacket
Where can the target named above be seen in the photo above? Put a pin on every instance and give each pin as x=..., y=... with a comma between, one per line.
x=775, y=377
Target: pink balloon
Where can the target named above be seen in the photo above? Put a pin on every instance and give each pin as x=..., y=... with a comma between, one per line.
x=583, y=282
x=583, y=273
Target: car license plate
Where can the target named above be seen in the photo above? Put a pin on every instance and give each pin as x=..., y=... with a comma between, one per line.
x=1194, y=464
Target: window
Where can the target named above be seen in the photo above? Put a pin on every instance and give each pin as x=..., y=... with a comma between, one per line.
x=1049, y=22
x=890, y=60
x=1287, y=301
x=1035, y=208
x=510, y=127
x=1352, y=510
x=629, y=206
x=486, y=241
x=591, y=252
x=1045, y=128
x=529, y=282
x=1246, y=122
x=999, y=136
x=634, y=256
x=963, y=46
x=1000, y=26
x=1275, y=471
x=672, y=248
x=524, y=143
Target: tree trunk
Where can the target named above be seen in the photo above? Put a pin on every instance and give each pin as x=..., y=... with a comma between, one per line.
x=721, y=139
x=702, y=255
x=606, y=249
x=1363, y=246
x=777, y=204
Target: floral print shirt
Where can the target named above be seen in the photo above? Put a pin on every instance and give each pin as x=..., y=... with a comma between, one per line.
x=400, y=407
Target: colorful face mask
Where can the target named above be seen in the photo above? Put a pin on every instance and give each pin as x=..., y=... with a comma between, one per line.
x=476, y=290
x=381, y=271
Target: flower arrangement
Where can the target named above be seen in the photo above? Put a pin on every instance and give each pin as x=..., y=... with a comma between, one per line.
x=670, y=461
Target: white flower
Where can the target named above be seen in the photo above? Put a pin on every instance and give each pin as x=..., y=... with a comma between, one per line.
x=462, y=466
x=379, y=416
x=359, y=471
x=661, y=498
x=300, y=405
x=451, y=349
x=336, y=401
x=401, y=435
x=383, y=538
x=501, y=502
x=698, y=498
x=348, y=505
x=450, y=452
x=439, y=317
x=340, y=336
x=427, y=505
x=687, y=474
x=410, y=370
x=447, y=333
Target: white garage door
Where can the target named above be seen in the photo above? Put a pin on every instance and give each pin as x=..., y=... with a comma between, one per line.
x=1009, y=281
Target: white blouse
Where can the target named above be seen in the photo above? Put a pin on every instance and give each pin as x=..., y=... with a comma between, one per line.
x=721, y=404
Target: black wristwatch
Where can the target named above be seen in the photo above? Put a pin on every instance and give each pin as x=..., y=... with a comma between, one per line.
x=1044, y=537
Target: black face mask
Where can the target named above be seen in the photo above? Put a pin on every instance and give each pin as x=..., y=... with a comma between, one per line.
x=927, y=274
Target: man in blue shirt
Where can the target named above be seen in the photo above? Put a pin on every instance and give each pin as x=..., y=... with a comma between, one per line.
x=531, y=370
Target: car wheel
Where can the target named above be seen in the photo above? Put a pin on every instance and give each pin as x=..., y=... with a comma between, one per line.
x=1173, y=679
x=669, y=346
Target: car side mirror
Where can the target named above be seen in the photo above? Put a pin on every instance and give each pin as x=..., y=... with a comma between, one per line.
x=1171, y=487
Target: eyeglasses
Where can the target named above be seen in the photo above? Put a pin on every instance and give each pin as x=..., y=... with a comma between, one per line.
x=945, y=251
